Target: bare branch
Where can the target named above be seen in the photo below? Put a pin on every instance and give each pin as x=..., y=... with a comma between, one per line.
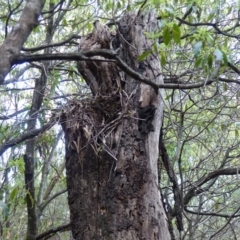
x=51, y=198
x=196, y=190
x=228, y=221
x=26, y=136
x=212, y=214
x=53, y=231
x=3, y=117
x=11, y=11
x=111, y=57
x=214, y=25
x=51, y=45
x=234, y=68
x=17, y=76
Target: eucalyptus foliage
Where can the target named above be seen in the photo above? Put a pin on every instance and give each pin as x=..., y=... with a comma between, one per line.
x=198, y=45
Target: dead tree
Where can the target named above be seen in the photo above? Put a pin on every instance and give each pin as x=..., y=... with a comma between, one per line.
x=112, y=139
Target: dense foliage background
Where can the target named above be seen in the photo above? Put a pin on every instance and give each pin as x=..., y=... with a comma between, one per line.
x=198, y=45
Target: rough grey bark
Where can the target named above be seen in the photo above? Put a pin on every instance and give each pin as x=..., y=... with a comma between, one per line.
x=13, y=43
x=29, y=156
x=112, y=140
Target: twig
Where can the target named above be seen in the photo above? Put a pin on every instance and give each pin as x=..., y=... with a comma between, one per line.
x=53, y=231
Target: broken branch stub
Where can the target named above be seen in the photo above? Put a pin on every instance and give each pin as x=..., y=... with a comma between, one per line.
x=100, y=76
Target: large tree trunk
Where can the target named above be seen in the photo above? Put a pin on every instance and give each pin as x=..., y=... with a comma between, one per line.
x=112, y=140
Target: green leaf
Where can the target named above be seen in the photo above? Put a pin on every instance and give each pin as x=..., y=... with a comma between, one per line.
x=119, y=4
x=198, y=61
x=149, y=35
x=218, y=54
x=166, y=35
x=144, y=55
x=216, y=207
x=236, y=133
x=13, y=194
x=163, y=59
x=36, y=29
x=207, y=129
x=64, y=22
x=225, y=58
x=176, y=33
x=211, y=15
x=210, y=60
x=155, y=47
x=197, y=48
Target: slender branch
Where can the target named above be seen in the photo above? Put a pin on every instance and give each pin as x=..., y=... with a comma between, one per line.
x=26, y=136
x=53, y=231
x=234, y=68
x=214, y=25
x=17, y=76
x=53, y=181
x=42, y=206
x=53, y=9
x=228, y=221
x=186, y=15
x=81, y=56
x=229, y=80
x=16, y=89
x=85, y=56
x=112, y=56
x=195, y=190
x=141, y=7
x=211, y=214
x=4, y=117
x=173, y=179
x=9, y=16
x=51, y=45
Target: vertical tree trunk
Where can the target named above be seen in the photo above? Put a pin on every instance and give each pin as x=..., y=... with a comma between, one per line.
x=112, y=140
x=32, y=223
x=29, y=156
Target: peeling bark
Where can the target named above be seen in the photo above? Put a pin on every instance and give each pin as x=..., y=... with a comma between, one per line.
x=112, y=140
x=10, y=49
